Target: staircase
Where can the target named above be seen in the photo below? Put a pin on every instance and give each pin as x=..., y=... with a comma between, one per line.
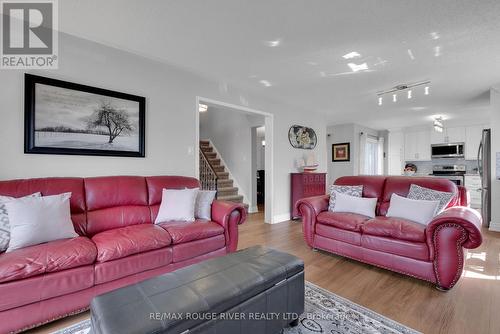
x=226, y=191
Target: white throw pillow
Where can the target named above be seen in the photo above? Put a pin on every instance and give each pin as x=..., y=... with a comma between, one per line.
x=36, y=220
x=348, y=190
x=419, y=211
x=354, y=204
x=4, y=220
x=203, y=206
x=177, y=205
x=426, y=194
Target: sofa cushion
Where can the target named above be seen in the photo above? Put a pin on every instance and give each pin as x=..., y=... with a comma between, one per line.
x=344, y=220
x=331, y=232
x=131, y=265
x=156, y=184
x=35, y=220
x=396, y=228
x=373, y=186
x=125, y=241
x=414, y=250
x=46, y=286
x=400, y=185
x=192, y=249
x=52, y=186
x=189, y=231
x=48, y=257
x=115, y=202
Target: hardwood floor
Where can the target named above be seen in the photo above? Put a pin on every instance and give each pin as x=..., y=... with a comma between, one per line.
x=472, y=306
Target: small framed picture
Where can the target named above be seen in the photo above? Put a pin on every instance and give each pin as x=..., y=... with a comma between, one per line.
x=341, y=152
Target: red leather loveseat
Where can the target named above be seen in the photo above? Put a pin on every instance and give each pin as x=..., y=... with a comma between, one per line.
x=118, y=245
x=433, y=253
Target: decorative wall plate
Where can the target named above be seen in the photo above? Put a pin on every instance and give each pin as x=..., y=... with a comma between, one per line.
x=302, y=137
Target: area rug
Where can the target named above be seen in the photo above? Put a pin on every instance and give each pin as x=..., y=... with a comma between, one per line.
x=325, y=312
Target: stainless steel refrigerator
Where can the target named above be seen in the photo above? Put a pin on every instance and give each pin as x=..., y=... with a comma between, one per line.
x=484, y=167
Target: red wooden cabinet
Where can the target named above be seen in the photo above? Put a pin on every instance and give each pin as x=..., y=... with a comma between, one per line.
x=306, y=185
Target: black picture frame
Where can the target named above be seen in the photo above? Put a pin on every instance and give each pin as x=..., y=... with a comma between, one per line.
x=30, y=147
x=335, y=155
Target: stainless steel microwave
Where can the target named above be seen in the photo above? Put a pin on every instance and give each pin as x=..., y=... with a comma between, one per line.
x=448, y=150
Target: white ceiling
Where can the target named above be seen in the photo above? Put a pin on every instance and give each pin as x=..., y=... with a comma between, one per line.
x=230, y=41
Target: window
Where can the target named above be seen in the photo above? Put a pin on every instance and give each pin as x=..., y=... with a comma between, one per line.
x=371, y=156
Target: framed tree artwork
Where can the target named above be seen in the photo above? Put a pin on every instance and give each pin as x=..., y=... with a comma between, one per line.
x=68, y=118
x=341, y=152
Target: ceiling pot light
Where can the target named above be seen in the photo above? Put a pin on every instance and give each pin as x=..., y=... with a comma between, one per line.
x=357, y=68
x=410, y=54
x=426, y=90
x=265, y=83
x=263, y=143
x=351, y=55
x=274, y=43
x=380, y=100
x=394, y=97
x=437, y=51
x=409, y=94
x=202, y=107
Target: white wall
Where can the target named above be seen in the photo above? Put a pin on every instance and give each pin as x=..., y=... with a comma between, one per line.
x=170, y=118
x=495, y=147
x=340, y=134
x=345, y=133
x=231, y=133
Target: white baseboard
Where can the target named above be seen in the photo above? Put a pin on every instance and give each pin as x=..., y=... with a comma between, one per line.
x=495, y=227
x=253, y=209
x=281, y=218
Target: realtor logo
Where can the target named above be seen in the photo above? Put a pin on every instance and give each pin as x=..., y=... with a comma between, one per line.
x=29, y=34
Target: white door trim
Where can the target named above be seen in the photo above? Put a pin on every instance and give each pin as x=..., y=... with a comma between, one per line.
x=269, y=160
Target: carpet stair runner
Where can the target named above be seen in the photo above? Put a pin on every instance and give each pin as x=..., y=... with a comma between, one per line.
x=226, y=191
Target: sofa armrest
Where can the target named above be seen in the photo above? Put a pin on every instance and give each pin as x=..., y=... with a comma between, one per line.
x=463, y=196
x=447, y=234
x=229, y=215
x=469, y=220
x=309, y=208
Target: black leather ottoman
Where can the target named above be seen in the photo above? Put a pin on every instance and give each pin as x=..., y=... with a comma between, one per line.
x=255, y=290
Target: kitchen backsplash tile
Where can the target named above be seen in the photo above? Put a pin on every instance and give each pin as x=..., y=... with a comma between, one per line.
x=425, y=167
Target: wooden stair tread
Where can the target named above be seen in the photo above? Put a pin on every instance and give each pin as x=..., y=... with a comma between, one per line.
x=231, y=198
x=226, y=191
x=214, y=162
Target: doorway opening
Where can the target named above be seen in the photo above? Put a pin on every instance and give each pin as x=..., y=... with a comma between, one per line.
x=235, y=154
x=259, y=144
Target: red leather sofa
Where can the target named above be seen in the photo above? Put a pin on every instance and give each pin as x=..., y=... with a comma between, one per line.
x=433, y=253
x=118, y=245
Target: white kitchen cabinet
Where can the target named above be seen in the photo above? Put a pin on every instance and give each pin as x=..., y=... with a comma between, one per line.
x=395, y=158
x=454, y=135
x=449, y=135
x=410, y=146
x=473, y=136
x=473, y=185
x=417, y=145
x=437, y=137
x=424, y=145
